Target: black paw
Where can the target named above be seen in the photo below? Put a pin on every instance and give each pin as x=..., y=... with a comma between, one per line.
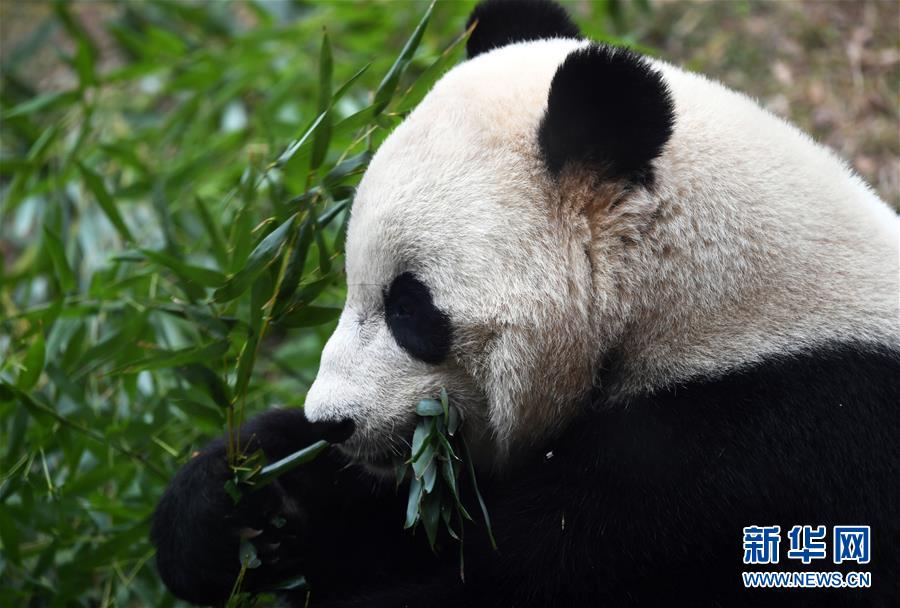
x=201, y=535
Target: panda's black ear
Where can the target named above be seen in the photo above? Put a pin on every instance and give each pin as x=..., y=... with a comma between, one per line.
x=502, y=22
x=609, y=109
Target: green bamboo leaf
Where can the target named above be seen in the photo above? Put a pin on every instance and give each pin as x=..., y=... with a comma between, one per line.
x=126, y=154
x=197, y=410
x=484, y=511
x=58, y=258
x=176, y=358
x=340, y=239
x=73, y=348
x=33, y=364
x=346, y=86
x=202, y=318
x=205, y=277
x=110, y=347
x=309, y=316
x=259, y=296
x=322, y=250
x=413, y=502
x=450, y=475
x=83, y=62
x=429, y=407
x=292, y=584
x=322, y=137
x=321, y=140
x=445, y=404
x=42, y=144
x=355, y=121
x=264, y=254
x=247, y=556
x=430, y=476
x=294, y=270
x=424, y=459
x=246, y=361
x=217, y=240
x=271, y=472
x=433, y=72
x=310, y=291
x=240, y=238
x=208, y=381
x=420, y=439
x=74, y=28
x=431, y=516
x=296, y=145
x=95, y=184
x=388, y=86
x=453, y=421
x=325, y=219
x=446, y=514
x=45, y=101
x=348, y=167
x=326, y=70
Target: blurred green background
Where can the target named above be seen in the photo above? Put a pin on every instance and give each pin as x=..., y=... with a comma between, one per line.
x=175, y=182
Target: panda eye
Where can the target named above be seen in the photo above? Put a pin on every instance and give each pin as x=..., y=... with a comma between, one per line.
x=418, y=326
x=400, y=309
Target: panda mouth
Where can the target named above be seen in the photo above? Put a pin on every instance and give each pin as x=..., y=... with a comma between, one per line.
x=381, y=463
x=384, y=454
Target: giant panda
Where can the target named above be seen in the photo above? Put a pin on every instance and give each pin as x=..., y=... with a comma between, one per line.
x=665, y=315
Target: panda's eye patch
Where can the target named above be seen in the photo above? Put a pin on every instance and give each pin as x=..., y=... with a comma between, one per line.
x=415, y=322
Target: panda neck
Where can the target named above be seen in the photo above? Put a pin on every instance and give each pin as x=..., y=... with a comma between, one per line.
x=684, y=290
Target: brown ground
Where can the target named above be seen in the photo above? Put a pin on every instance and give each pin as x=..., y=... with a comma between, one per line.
x=830, y=66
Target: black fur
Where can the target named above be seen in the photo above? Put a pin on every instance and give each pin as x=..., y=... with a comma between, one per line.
x=415, y=322
x=641, y=504
x=609, y=109
x=337, y=519
x=502, y=22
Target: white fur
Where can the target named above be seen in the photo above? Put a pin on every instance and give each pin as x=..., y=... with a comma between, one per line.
x=755, y=242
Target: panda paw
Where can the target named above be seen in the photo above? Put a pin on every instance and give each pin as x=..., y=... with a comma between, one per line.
x=201, y=536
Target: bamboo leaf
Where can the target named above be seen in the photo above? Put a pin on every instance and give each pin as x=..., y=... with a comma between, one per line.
x=95, y=184
x=321, y=140
x=484, y=511
x=295, y=146
x=58, y=258
x=176, y=358
x=346, y=86
x=33, y=364
x=429, y=407
x=217, y=240
x=431, y=516
x=433, y=72
x=45, y=101
x=322, y=136
x=271, y=472
x=412, y=503
x=309, y=316
x=326, y=70
x=263, y=255
x=205, y=277
x=211, y=383
x=385, y=91
x=294, y=270
x=354, y=165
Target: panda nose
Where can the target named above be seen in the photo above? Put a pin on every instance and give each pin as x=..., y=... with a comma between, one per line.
x=334, y=431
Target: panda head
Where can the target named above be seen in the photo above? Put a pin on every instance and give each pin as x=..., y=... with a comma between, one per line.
x=502, y=242
x=463, y=269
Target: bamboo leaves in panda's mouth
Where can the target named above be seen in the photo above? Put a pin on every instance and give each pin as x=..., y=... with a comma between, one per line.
x=438, y=462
